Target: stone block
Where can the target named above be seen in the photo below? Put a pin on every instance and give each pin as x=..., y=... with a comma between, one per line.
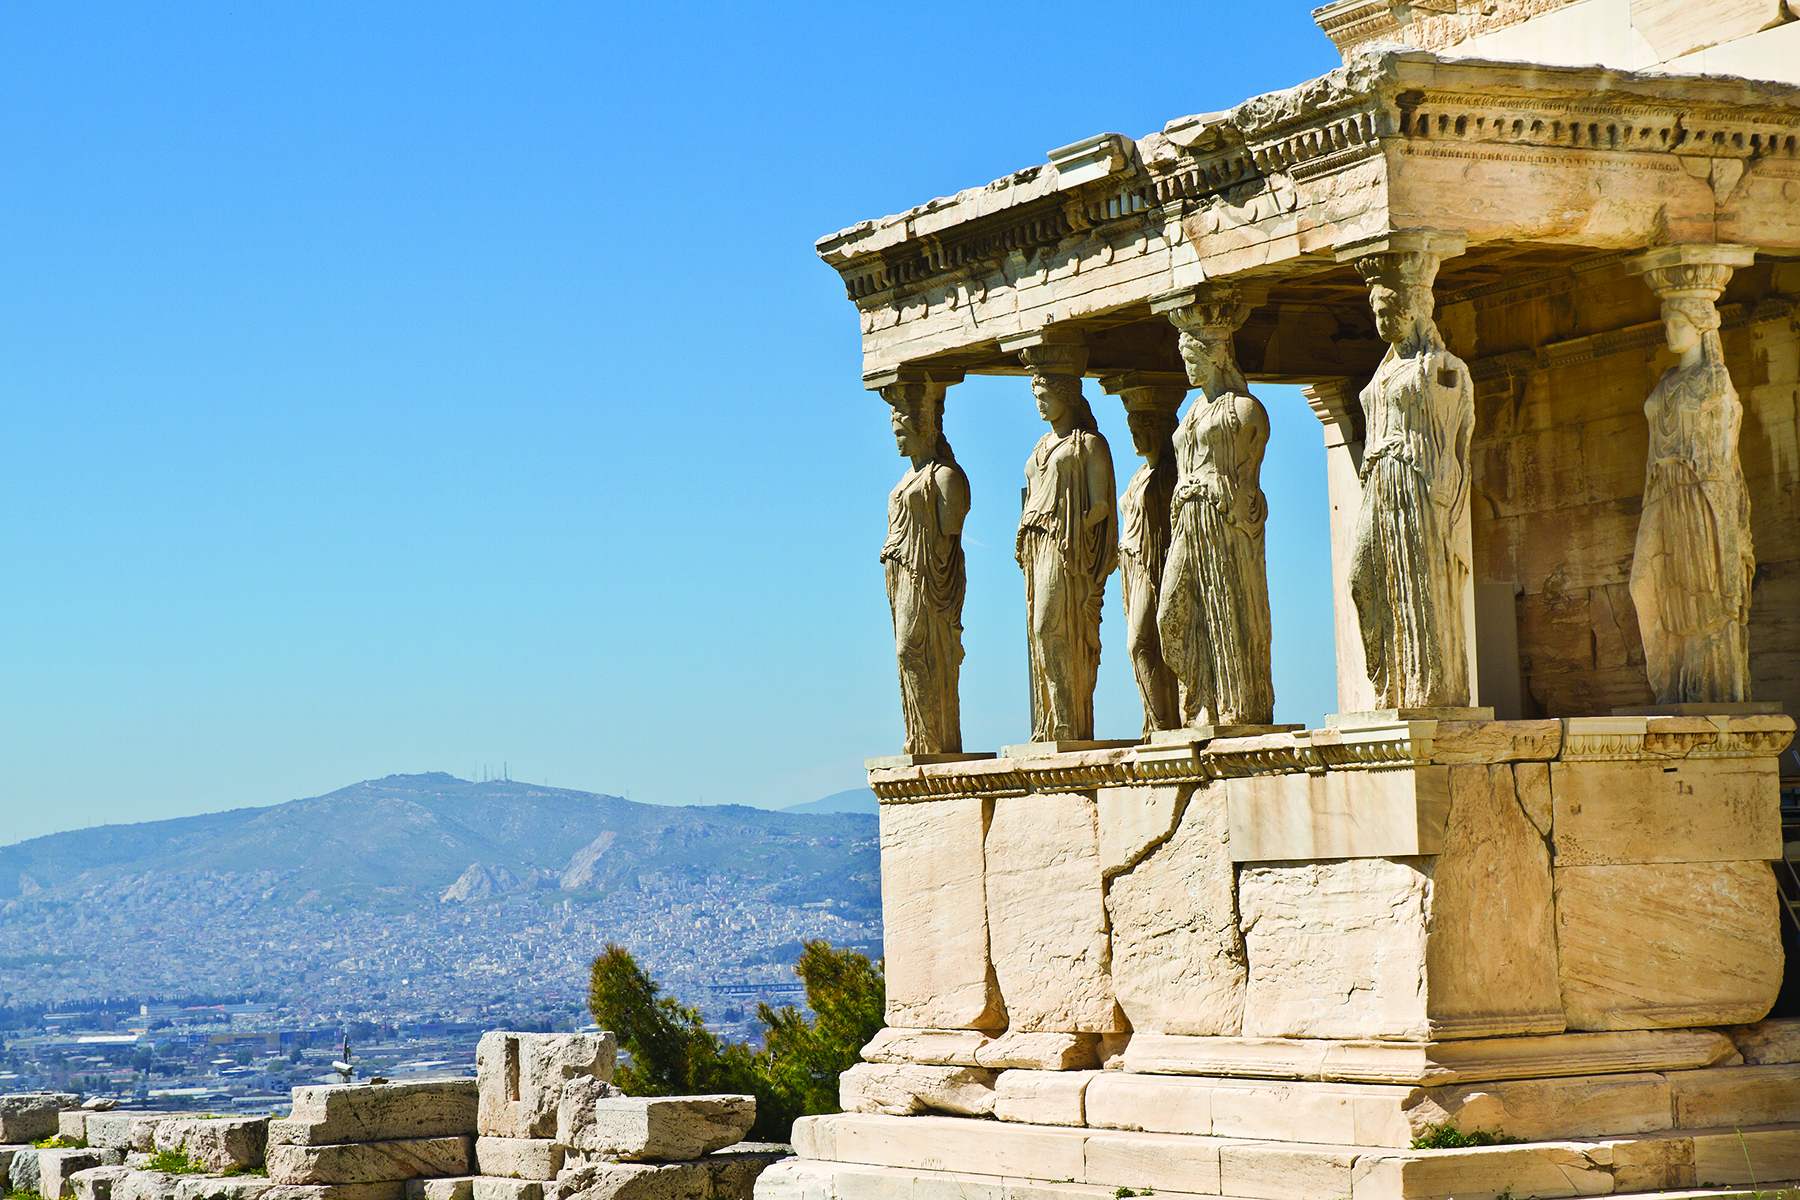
x=96, y=1183
x=145, y=1185
x=56, y=1166
x=1041, y=1052
x=1652, y=1164
x=1725, y=1097
x=1549, y=1169
x=1157, y=1104
x=1163, y=1162
x=217, y=1144
x=31, y=1116
x=575, y=1109
x=735, y=1172
x=1552, y=1109
x=1765, y=1043
x=1667, y=945
x=1694, y=810
x=1456, y=946
x=386, y=1190
x=669, y=1128
x=637, y=1181
x=369, y=1162
x=1393, y=813
x=902, y=1090
x=1130, y=821
x=1469, y=1060
x=1177, y=951
x=377, y=1112
x=522, y=1078
x=1046, y=915
x=1041, y=1097
x=22, y=1172
x=934, y=911
x=236, y=1187
x=1749, y=1156
x=1285, y=1172
x=111, y=1129
x=518, y=1158
x=934, y=1047
x=71, y=1125
x=943, y=1144
x=456, y=1187
x=487, y=1187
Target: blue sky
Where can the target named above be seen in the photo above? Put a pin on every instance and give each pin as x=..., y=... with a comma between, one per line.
x=399, y=387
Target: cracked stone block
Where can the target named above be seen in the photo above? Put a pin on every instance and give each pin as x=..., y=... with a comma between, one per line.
x=518, y=1158
x=219, y=1143
x=669, y=1128
x=31, y=1116
x=96, y=1183
x=904, y=1089
x=369, y=1162
x=523, y=1077
x=378, y=1112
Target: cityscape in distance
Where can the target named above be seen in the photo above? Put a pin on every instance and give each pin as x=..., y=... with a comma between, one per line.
x=216, y=961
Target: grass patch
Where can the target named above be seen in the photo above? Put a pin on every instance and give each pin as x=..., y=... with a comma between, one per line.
x=1448, y=1137
x=60, y=1143
x=175, y=1162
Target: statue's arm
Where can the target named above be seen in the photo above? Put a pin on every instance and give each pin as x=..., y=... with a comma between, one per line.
x=1099, y=483
x=953, y=498
x=1253, y=440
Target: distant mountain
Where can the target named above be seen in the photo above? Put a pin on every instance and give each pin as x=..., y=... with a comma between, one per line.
x=856, y=800
x=464, y=840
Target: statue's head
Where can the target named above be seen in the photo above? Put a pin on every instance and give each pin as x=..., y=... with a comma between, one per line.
x=1686, y=319
x=918, y=417
x=1059, y=398
x=1400, y=291
x=1205, y=350
x=1150, y=430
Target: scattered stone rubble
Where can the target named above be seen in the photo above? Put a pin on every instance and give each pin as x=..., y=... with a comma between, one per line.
x=542, y=1121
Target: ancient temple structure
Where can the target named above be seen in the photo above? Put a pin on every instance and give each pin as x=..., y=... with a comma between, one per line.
x=1520, y=887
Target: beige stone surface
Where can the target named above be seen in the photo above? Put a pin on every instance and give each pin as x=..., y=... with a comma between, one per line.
x=1732, y=1096
x=1549, y=1169
x=218, y=1144
x=519, y=1158
x=456, y=1187
x=31, y=1116
x=668, y=1128
x=1338, y=814
x=943, y=1144
x=899, y=1089
x=1164, y=1162
x=934, y=911
x=637, y=1181
x=575, y=1108
x=72, y=1124
x=55, y=1167
x=1749, y=1156
x=486, y=1187
x=369, y=1162
x=387, y=1190
x=1464, y=1060
x=1155, y=1104
x=96, y=1183
x=940, y=1047
x=1041, y=1052
x=1693, y=810
x=1776, y=1040
x=1532, y=782
x=1490, y=959
x=1546, y=1109
x=1651, y=1164
x=1667, y=945
x=735, y=1172
x=1178, y=960
x=1132, y=820
x=522, y=1076
x=1495, y=741
x=1047, y=924
x=376, y=1112
x=1285, y=1172
x=1041, y=1097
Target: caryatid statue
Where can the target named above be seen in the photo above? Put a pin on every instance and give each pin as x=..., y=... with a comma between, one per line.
x=1068, y=544
x=1409, y=561
x=1691, y=569
x=1151, y=408
x=923, y=557
x=1213, y=612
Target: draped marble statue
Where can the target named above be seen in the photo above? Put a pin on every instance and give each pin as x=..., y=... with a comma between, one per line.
x=1150, y=411
x=923, y=558
x=1213, y=611
x=1068, y=544
x=1409, y=562
x=1691, y=567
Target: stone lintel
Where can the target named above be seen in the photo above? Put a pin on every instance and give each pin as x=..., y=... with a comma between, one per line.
x=1092, y=159
x=1049, y=749
x=1131, y=384
x=1719, y=254
x=1443, y=243
x=892, y=761
x=889, y=376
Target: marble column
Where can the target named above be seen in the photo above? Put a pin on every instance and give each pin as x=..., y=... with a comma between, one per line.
x=1335, y=402
x=1068, y=542
x=1692, y=564
x=1410, y=562
x=1152, y=402
x=923, y=561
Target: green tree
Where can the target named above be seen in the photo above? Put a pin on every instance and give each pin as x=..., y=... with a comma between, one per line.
x=848, y=995
x=672, y=1054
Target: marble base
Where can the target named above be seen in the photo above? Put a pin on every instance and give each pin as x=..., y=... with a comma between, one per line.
x=1388, y=716
x=892, y=761
x=1207, y=733
x=1046, y=749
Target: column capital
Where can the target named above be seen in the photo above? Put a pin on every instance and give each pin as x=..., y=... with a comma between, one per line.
x=1048, y=350
x=1337, y=403
x=883, y=377
x=1127, y=382
x=1438, y=243
x=1698, y=270
x=1221, y=305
